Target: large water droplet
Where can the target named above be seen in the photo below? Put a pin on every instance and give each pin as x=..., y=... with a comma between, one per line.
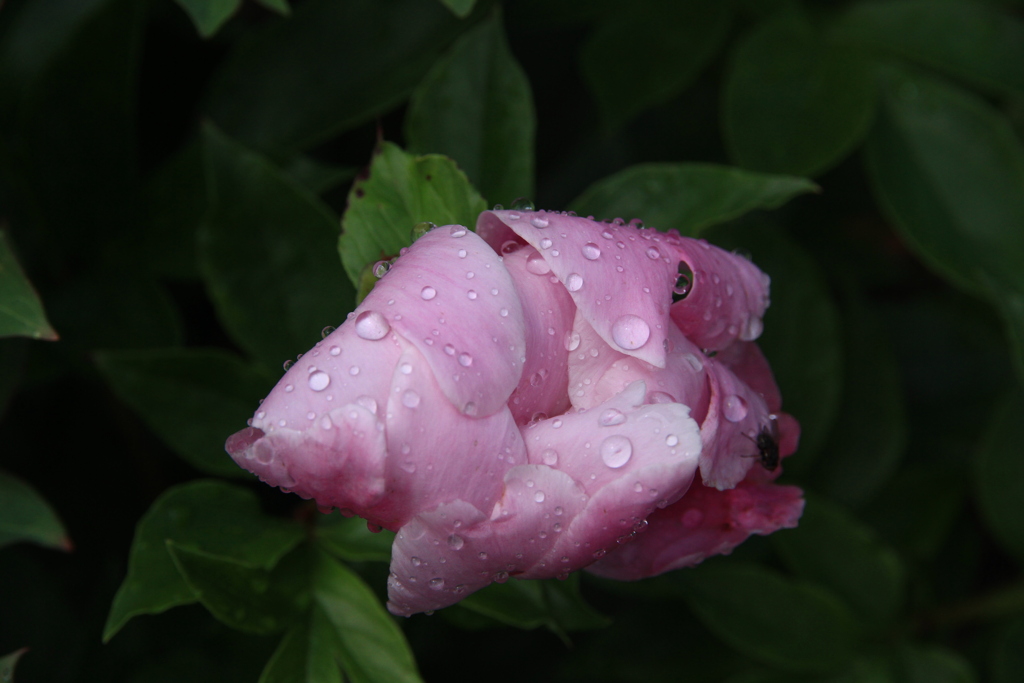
x=734, y=408
x=381, y=268
x=671, y=440
x=545, y=243
x=539, y=496
x=319, y=380
x=537, y=265
x=574, y=282
x=509, y=246
x=354, y=370
x=457, y=231
x=372, y=325
x=335, y=350
x=571, y=341
x=752, y=328
x=410, y=399
x=611, y=417
x=421, y=229
x=616, y=451
x=465, y=360
x=539, y=222
x=427, y=293
x=326, y=331
x=471, y=295
x=693, y=362
x=449, y=349
x=549, y=457
x=653, y=253
x=287, y=364
x=521, y=204
x=591, y=251
x=630, y=332
x=455, y=542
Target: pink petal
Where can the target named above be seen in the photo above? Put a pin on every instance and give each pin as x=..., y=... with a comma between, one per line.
x=703, y=523
x=727, y=298
x=620, y=277
x=549, y=317
x=437, y=454
x=450, y=296
x=597, y=372
x=751, y=367
x=443, y=555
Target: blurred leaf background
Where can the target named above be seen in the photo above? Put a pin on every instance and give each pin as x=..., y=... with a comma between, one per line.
x=174, y=180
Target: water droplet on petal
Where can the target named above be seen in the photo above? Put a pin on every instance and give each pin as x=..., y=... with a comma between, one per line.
x=521, y=204
x=410, y=399
x=545, y=243
x=537, y=265
x=415, y=561
x=653, y=253
x=752, y=328
x=405, y=368
x=470, y=409
x=549, y=457
x=571, y=341
x=630, y=332
x=372, y=325
x=734, y=408
x=611, y=417
x=326, y=331
x=457, y=231
x=591, y=251
x=616, y=451
x=501, y=577
x=319, y=380
x=539, y=222
x=325, y=422
x=574, y=282
x=693, y=362
x=656, y=397
x=288, y=388
x=421, y=229
x=471, y=294
x=455, y=542
x=287, y=364
x=335, y=350
x=428, y=293
x=671, y=440
x=465, y=360
x=684, y=282
x=539, y=496
x=449, y=349
x=354, y=370
x=503, y=313
x=381, y=268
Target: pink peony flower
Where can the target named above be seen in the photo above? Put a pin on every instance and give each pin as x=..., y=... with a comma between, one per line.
x=527, y=401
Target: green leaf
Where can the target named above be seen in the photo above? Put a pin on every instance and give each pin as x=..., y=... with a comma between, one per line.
x=267, y=255
x=645, y=52
x=1008, y=653
x=929, y=664
x=833, y=549
x=246, y=597
x=460, y=8
x=999, y=475
x=316, y=176
x=401, y=191
x=948, y=171
x=515, y=603
x=8, y=663
x=21, y=311
x=870, y=433
x=475, y=106
x=192, y=398
x=802, y=339
x=349, y=539
x=26, y=516
x=687, y=197
x=280, y=6
x=205, y=516
x=306, y=654
x=785, y=623
x=973, y=42
x=569, y=611
x=209, y=15
x=371, y=647
x=792, y=103
x=331, y=66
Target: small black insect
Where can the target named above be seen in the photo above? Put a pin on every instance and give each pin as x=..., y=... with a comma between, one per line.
x=767, y=442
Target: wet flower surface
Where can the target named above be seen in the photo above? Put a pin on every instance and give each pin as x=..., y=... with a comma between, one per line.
x=546, y=394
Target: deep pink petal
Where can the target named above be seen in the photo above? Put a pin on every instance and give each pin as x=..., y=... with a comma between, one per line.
x=450, y=296
x=620, y=277
x=549, y=318
x=437, y=454
x=703, y=523
x=727, y=297
x=748, y=364
x=597, y=372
